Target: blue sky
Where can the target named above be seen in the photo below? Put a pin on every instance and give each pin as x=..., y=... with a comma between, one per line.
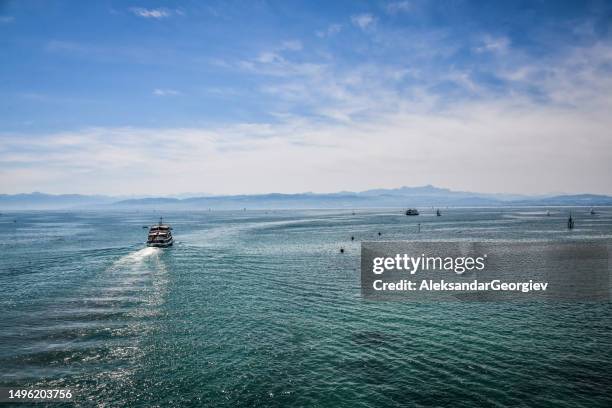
x=128, y=97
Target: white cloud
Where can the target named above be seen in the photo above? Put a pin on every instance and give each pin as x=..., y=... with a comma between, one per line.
x=274, y=62
x=165, y=92
x=493, y=44
x=364, y=134
x=470, y=147
x=291, y=45
x=363, y=21
x=399, y=7
x=364, y=129
x=331, y=30
x=150, y=13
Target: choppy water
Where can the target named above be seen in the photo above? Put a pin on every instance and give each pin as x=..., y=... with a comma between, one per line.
x=261, y=309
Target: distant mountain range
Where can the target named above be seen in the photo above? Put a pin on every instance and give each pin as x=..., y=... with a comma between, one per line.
x=425, y=196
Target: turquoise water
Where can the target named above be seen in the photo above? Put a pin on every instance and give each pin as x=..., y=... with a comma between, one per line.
x=260, y=309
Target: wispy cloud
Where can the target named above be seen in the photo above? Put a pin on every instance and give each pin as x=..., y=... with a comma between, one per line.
x=466, y=106
x=291, y=45
x=165, y=92
x=363, y=131
x=471, y=146
x=274, y=61
x=364, y=20
x=493, y=44
x=158, y=13
x=58, y=45
x=331, y=30
x=396, y=7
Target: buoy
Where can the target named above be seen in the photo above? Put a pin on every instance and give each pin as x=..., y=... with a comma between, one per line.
x=341, y=250
x=379, y=234
x=352, y=238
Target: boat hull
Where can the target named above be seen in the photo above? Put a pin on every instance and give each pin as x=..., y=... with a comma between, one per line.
x=160, y=244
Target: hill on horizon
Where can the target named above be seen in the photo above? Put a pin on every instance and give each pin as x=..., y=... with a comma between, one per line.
x=420, y=196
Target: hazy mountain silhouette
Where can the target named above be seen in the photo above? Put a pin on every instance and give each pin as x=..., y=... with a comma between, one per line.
x=423, y=196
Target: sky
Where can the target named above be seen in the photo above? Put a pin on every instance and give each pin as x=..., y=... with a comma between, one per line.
x=242, y=97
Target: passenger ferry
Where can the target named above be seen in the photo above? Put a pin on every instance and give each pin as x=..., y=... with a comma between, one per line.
x=160, y=235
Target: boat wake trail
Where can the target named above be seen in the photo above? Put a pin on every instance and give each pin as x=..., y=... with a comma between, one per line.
x=137, y=257
x=138, y=275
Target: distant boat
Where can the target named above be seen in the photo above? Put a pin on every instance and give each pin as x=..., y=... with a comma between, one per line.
x=547, y=213
x=160, y=235
x=438, y=213
x=592, y=211
x=412, y=211
x=570, y=222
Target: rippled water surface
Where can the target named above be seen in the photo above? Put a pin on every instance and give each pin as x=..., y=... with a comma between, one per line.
x=257, y=308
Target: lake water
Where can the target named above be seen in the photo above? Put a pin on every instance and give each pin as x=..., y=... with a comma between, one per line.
x=256, y=308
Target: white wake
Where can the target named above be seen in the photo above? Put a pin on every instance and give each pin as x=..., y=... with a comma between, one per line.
x=138, y=256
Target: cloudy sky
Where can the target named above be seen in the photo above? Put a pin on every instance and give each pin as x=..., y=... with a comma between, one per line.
x=129, y=97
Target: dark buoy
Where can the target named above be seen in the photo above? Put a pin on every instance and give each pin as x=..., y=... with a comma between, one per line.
x=379, y=234
x=341, y=250
x=570, y=222
x=352, y=238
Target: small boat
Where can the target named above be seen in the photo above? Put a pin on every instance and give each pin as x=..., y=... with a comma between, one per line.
x=438, y=213
x=160, y=235
x=412, y=211
x=570, y=222
x=548, y=213
x=592, y=211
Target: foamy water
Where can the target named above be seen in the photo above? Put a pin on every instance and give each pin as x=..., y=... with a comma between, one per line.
x=137, y=256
